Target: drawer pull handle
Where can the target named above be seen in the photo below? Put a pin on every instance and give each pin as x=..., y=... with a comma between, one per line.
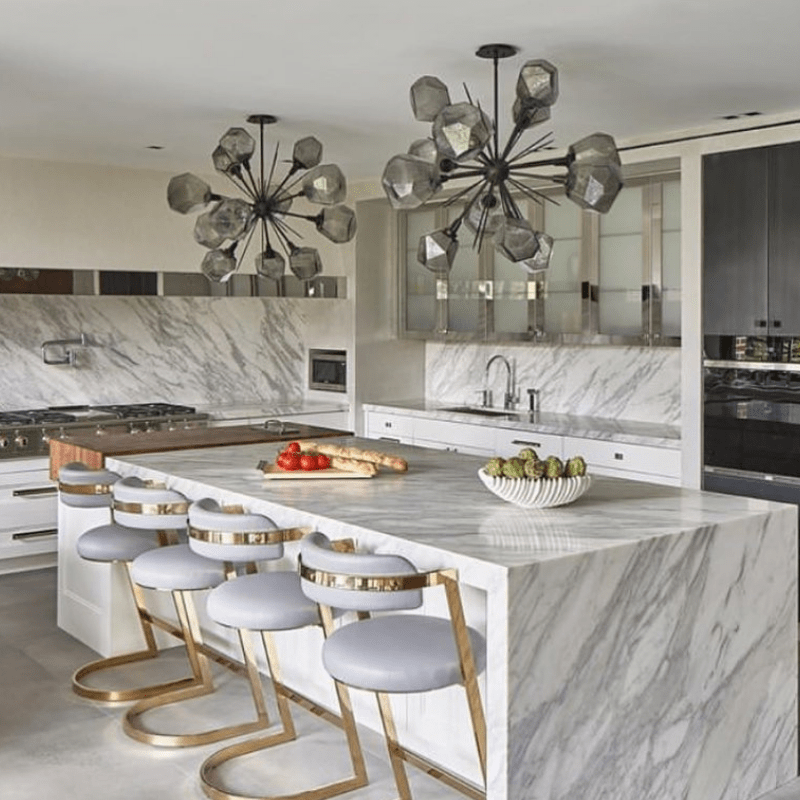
x=33, y=534
x=38, y=491
x=526, y=443
x=389, y=439
x=618, y=456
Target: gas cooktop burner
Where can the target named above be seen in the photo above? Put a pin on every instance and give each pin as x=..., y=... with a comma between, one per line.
x=134, y=410
x=36, y=417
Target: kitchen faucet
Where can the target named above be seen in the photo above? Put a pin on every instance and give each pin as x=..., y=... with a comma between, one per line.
x=510, y=398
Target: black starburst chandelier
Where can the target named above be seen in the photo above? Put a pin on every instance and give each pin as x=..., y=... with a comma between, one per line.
x=232, y=222
x=465, y=145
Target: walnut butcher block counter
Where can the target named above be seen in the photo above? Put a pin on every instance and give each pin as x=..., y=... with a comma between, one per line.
x=92, y=449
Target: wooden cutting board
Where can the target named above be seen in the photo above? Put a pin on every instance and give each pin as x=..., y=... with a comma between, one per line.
x=273, y=473
x=92, y=450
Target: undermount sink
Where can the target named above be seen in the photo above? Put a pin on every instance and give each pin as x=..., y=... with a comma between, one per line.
x=481, y=412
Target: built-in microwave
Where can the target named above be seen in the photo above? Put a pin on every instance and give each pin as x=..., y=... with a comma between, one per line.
x=327, y=370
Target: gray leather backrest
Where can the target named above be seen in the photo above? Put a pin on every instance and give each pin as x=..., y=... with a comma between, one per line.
x=207, y=515
x=135, y=491
x=316, y=553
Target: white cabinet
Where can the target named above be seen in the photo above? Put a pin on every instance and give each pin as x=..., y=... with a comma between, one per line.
x=635, y=461
x=394, y=427
x=621, y=460
x=28, y=527
x=510, y=442
x=459, y=437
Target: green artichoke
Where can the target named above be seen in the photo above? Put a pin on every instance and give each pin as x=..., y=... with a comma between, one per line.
x=534, y=468
x=576, y=467
x=514, y=468
x=553, y=467
x=494, y=467
x=528, y=454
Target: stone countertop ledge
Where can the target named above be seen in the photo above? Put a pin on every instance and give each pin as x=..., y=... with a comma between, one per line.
x=617, y=430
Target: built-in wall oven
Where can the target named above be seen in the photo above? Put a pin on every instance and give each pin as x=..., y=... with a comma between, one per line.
x=751, y=420
x=28, y=498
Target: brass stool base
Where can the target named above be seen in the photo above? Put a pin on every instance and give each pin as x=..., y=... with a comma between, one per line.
x=124, y=695
x=133, y=725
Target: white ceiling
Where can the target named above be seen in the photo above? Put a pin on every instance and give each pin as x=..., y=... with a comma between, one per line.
x=100, y=80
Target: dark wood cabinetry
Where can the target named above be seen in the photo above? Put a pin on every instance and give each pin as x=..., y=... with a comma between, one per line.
x=751, y=242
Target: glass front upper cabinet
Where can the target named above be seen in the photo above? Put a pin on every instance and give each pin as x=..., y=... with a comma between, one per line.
x=612, y=279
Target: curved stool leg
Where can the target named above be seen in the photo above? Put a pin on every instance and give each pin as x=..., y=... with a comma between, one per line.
x=133, y=723
x=151, y=651
x=213, y=787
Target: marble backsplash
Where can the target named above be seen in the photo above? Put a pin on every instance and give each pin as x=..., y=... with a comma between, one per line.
x=632, y=383
x=195, y=350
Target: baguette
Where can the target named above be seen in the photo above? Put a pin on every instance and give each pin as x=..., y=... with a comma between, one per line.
x=354, y=465
x=370, y=456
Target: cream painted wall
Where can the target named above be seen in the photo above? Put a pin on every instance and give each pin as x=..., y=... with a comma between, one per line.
x=86, y=217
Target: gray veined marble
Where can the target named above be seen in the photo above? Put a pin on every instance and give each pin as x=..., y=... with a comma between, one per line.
x=147, y=349
x=632, y=383
x=642, y=642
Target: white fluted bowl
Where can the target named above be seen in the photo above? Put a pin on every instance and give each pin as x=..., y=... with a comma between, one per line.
x=542, y=493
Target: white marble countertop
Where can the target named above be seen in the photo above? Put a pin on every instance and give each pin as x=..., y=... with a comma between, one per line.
x=266, y=408
x=617, y=430
x=632, y=637
x=440, y=502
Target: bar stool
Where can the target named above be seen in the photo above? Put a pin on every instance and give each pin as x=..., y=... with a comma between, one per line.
x=262, y=602
x=83, y=487
x=180, y=570
x=395, y=653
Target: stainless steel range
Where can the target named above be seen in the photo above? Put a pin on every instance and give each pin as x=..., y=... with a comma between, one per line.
x=28, y=498
x=26, y=433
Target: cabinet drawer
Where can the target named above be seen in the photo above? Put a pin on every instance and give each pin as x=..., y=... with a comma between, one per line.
x=464, y=437
x=510, y=442
x=626, y=457
x=381, y=425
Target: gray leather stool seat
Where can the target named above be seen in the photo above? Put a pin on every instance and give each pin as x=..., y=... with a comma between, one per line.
x=266, y=601
x=261, y=602
x=176, y=568
x=396, y=652
x=144, y=519
x=112, y=542
x=400, y=653
x=84, y=487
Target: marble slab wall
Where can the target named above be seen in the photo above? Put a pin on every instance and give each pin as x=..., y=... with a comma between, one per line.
x=195, y=350
x=634, y=383
x=663, y=670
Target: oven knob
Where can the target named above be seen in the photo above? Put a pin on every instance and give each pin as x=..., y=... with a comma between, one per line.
x=3, y=442
x=46, y=436
x=20, y=440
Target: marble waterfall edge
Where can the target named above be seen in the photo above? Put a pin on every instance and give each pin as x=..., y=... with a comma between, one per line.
x=700, y=610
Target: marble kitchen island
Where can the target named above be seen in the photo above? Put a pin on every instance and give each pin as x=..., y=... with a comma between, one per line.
x=642, y=642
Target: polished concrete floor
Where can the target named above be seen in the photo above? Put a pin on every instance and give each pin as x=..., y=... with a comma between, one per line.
x=55, y=745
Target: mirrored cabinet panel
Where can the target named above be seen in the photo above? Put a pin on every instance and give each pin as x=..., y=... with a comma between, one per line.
x=612, y=279
x=166, y=284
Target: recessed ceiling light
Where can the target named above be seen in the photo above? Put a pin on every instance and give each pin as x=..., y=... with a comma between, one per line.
x=155, y=147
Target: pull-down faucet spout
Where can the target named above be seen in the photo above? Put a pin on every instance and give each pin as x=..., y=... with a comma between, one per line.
x=510, y=398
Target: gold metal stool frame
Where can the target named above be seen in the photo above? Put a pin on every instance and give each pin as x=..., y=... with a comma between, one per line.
x=146, y=620
x=398, y=754
x=211, y=784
